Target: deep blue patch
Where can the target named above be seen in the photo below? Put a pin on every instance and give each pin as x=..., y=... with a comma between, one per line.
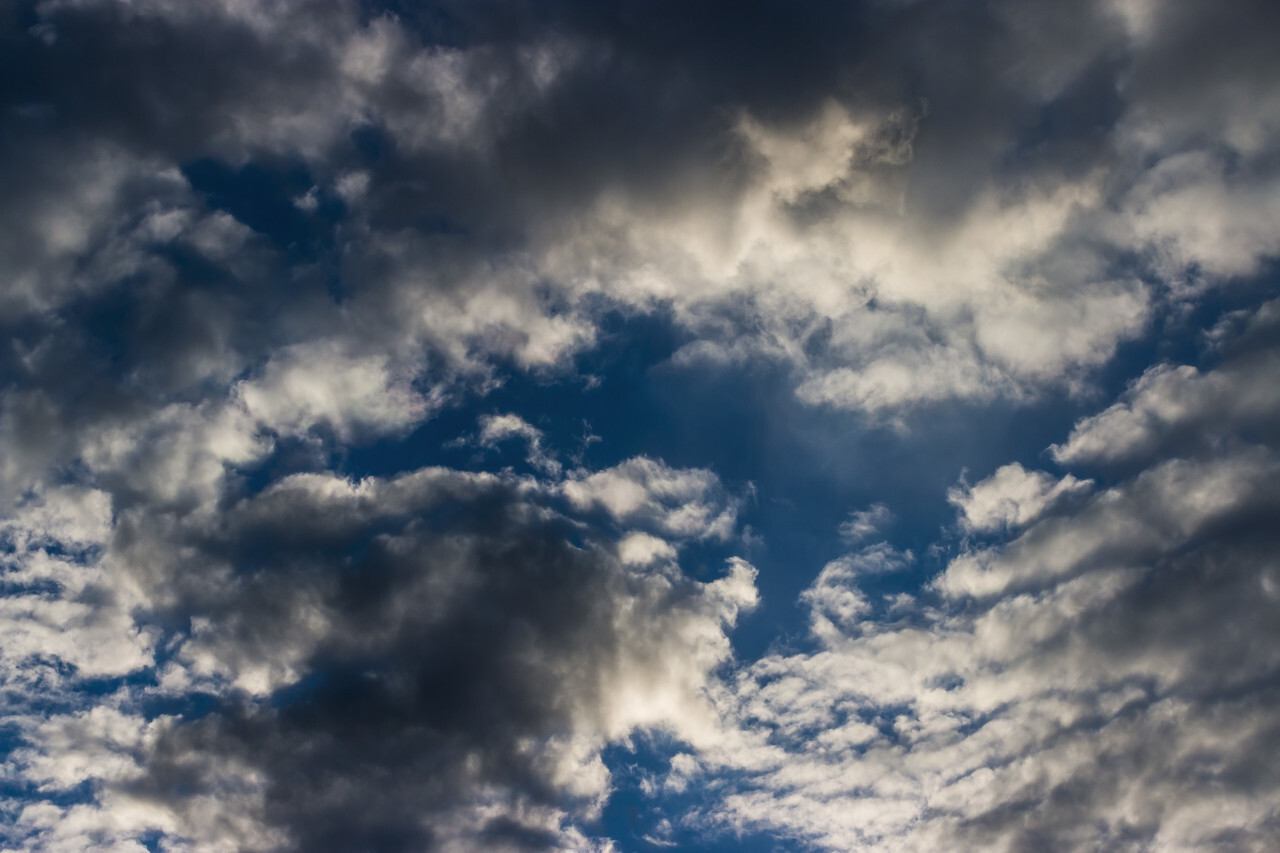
x=264, y=197
x=630, y=814
x=260, y=198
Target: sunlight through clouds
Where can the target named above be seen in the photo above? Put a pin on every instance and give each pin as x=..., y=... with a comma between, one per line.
x=612, y=426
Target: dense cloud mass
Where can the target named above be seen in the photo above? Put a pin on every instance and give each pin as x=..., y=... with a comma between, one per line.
x=300, y=299
x=402, y=663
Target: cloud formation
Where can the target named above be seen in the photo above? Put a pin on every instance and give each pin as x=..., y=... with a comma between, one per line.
x=430, y=661
x=894, y=225
x=1102, y=679
x=253, y=256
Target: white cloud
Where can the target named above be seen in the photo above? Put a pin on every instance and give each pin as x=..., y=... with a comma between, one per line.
x=1100, y=680
x=1012, y=497
x=641, y=549
x=686, y=503
x=1194, y=407
x=863, y=523
x=494, y=429
x=66, y=603
x=180, y=454
x=319, y=383
x=835, y=604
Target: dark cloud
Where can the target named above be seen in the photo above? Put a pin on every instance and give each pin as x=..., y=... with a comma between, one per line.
x=471, y=180
x=238, y=240
x=446, y=664
x=417, y=663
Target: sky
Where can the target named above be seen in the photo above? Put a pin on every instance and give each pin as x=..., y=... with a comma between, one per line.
x=437, y=426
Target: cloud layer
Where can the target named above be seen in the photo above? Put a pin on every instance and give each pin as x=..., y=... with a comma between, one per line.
x=253, y=255
x=1100, y=678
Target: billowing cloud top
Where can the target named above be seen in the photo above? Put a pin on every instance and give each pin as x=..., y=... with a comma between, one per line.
x=508, y=425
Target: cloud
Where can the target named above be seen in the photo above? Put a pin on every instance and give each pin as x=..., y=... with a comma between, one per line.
x=896, y=228
x=1100, y=680
x=1180, y=403
x=58, y=607
x=835, y=604
x=248, y=248
x=314, y=384
x=494, y=429
x=687, y=503
x=1011, y=497
x=433, y=660
x=864, y=522
x=642, y=549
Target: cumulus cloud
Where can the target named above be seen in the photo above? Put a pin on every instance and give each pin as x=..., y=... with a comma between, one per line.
x=1183, y=404
x=892, y=236
x=312, y=385
x=682, y=503
x=1100, y=680
x=434, y=660
x=1011, y=497
x=247, y=249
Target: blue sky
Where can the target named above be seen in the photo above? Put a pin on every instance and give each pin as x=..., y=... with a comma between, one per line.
x=618, y=427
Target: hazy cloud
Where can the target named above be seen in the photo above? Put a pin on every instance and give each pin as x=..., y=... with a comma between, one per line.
x=863, y=523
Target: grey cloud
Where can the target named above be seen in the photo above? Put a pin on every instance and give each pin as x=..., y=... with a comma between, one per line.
x=432, y=661
x=902, y=202
x=1183, y=405
x=1102, y=681
x=903, y=215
